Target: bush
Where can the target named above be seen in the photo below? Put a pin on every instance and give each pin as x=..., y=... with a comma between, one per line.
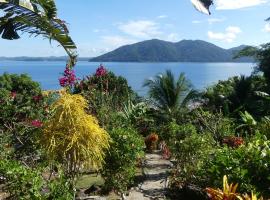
x=125, y=150
x=73, y=137
x=23, y=108
x=247, y=165
x=216, y=124
x=190, y=153
x=105, y=88
x=22, y=183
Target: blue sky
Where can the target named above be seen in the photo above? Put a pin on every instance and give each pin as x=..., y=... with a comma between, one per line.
x=98, y=26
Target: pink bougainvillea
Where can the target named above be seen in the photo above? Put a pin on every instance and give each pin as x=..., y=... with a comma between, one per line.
x=101, y=71
x=69, y=78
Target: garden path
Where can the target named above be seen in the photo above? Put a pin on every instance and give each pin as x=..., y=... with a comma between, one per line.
x=156, y=170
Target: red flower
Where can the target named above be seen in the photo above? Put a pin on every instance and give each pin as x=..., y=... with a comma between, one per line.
x=36, y=123
x=13, y=95
x=37, y=98
x=233, y=141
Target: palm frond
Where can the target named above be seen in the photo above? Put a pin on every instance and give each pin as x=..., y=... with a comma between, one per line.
x=36, y=17
x=202, y=5
x=167, y=93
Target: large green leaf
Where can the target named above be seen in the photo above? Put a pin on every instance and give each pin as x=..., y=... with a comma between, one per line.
x=36, y=17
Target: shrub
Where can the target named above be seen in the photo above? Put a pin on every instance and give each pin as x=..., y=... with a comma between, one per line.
x=73, y=137
x=216, y=124
x=105, y=88
x=126, y=148
x=21, y=182
x=190, y=153
x=246, y=165
x=22, y=108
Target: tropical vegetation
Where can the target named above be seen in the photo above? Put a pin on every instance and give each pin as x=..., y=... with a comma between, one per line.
x=99, y=126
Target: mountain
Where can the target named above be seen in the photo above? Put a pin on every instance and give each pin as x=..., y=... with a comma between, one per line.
x=163, y=51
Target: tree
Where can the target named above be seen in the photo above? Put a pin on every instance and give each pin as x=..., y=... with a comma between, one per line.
x=170, y=95
x=36, y=17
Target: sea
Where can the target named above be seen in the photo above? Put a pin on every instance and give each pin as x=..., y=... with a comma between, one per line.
x=201, y=75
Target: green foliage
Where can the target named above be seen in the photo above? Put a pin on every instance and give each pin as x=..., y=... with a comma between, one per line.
x=139, y=116
x=247, y=165
x=263, y=127
x=38, y=17
x=21, y=182
x=60, y=188
x=248, y=125
x=238, y=94
x=214, y=123
x=170, y=95
x=126, y=148
x=106, y=90
x=190, y=152
x=22, y=108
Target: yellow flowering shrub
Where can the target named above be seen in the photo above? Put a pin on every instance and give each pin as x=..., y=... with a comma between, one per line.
x=73, y=137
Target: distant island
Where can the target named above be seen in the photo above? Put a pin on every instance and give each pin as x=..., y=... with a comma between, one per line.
x=163, y=51
x=51, y=58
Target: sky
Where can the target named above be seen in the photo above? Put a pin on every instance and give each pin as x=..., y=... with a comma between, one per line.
x=99, y=26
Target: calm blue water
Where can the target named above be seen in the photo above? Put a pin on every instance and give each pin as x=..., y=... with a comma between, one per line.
x=201, y=74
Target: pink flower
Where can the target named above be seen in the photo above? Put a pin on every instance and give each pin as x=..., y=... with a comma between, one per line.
x=69, y=78
x=36, y=123
x=101, y=71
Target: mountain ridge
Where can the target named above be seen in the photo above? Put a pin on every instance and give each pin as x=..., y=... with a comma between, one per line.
x=163, y=51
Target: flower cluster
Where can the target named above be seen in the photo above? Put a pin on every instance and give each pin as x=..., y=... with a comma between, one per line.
x=152, y=137
x=101, y=71
x=233, y=141
x=36, y=123
x=69, y=78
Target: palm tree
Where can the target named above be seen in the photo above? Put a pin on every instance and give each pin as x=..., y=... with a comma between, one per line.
x=170, y=95
x=36, y=17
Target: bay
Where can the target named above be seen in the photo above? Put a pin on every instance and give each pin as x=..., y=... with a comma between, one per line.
x=200, y=74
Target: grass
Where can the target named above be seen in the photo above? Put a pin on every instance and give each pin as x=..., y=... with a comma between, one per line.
x=88, y=180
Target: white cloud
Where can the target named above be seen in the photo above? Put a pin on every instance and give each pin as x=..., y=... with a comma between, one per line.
x=162, y=16
x=141, y=29
x=229, y=35
x=116, y=41
x=173, y=37
x=237, y=4
x=266, y=28
x=215, y=20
